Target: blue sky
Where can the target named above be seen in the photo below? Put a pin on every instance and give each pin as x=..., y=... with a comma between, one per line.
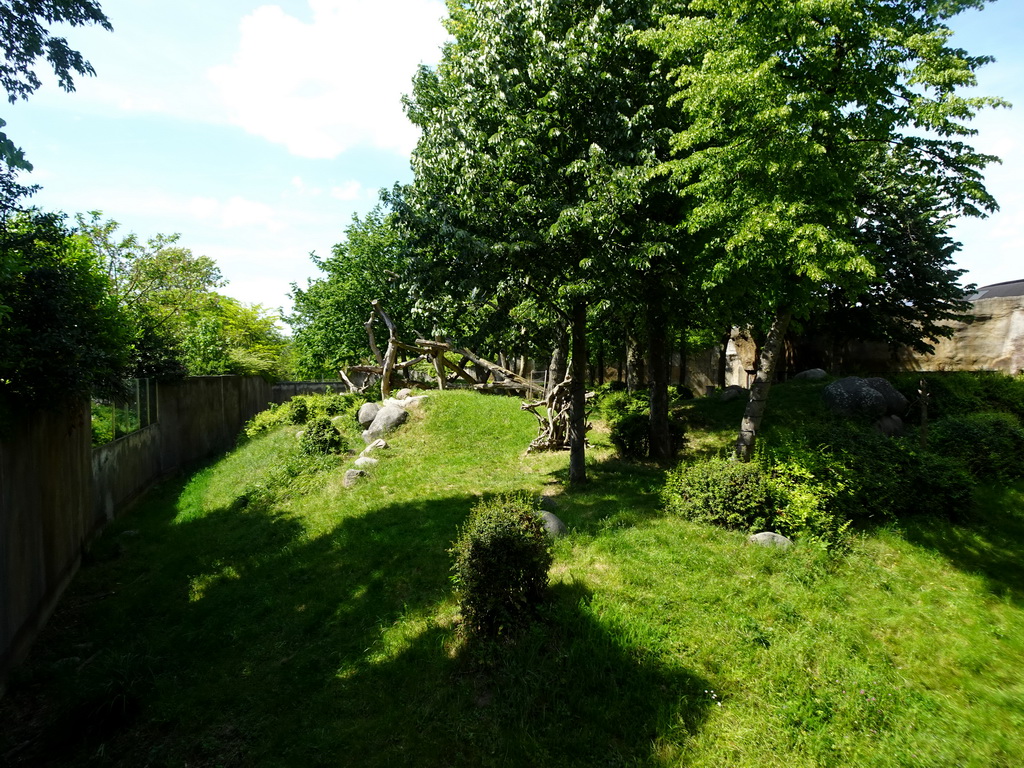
x=256, y=130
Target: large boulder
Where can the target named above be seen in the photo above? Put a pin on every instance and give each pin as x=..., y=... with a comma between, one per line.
x=733, y=392
x=367, y=413
x=853, y=396
x=769, y=539
x=895, y=403
x=553, y=524
x=388, y=418
x=812, y=374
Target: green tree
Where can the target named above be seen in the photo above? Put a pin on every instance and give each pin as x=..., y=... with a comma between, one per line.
x=25, y=37
x=786, y=107
x=330, y=313
x=64, y=334
x=535, y=169
x=228, y=337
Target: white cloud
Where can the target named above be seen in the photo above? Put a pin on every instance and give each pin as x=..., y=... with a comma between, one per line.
x=236, y=212
x=323, y=87
x=350, y=190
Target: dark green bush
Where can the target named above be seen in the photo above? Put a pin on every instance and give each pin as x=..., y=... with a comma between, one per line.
x=723, y=492
x=631, y=434
x=955, y=393
x=870, y=477
x=322, y=437
x=988, y=444
x=298, y=410
x=501, y=562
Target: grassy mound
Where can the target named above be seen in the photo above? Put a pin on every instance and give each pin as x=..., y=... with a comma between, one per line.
x=258, y=613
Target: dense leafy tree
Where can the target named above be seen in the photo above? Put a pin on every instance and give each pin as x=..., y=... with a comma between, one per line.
x=228, y=337
x=25, y=37
x=330, y=313
x=534, y=173
x=64, y=334
x=787, y=107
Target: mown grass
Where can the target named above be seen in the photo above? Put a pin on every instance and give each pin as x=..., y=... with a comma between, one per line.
x=257, y=613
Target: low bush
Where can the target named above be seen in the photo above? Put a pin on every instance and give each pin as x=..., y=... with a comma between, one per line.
x=302, y=408
x=990, y=445
x=500, y=568
x=298, y=410
x=957, y=393
x=728, y=493
x=631, y=434
x=322, y=437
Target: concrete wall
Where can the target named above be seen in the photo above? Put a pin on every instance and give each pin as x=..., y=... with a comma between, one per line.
x=57, y=492
x=45, y=518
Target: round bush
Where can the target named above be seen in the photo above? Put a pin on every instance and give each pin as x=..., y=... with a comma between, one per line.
x=298, y=410
x=501, y=561
x=723, y=492
x=322, y=437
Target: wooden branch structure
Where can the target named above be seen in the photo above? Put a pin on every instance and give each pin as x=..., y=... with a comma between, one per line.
x=434, y=352
x=553, y=418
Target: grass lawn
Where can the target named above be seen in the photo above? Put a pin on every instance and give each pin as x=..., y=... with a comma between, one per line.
x=258, y=613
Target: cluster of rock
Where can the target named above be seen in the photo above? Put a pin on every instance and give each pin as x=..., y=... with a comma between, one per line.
x=377, y=420
x=872, y=398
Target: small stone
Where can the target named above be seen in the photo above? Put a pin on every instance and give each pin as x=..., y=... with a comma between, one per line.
x=769, y=539
x=299, y=434
x=733, y=392
x=364, y=462
x=553, y=525
x=352, y=477
x=812, y=374
x=377, y=445
x=403, y=394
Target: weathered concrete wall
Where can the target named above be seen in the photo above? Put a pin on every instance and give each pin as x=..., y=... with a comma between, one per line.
x=56, y=491
x=994, y=341
x=286, y=390
x=45, y=519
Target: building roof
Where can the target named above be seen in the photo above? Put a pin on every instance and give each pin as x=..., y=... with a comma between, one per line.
x=998, y=290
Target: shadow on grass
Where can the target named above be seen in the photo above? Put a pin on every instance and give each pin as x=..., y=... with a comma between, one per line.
x=989, y=542
x=232, y=639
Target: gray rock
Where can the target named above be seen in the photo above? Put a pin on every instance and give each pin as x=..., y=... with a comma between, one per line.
x=376, y=445
x=553, y=525
x=853, y=396
x=895, y=403
x=352, y=477
x=732, y=392
x=414, y=403
x=890, y=426
x=812, y=374
x=367, y=413
x=769, y=539
x=365, y=462
x=388, y=418
x=403, y=394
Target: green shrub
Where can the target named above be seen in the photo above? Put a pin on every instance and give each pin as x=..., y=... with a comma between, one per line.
x=322, y=437
x=501, y=561
x=274, y=416
x=631, y=434
x=989, y=444
x=957, y=393
x=723, y=492
x=298, y=410
x=806, y=509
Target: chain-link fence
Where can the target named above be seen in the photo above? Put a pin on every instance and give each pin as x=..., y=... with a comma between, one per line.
x=112, y=419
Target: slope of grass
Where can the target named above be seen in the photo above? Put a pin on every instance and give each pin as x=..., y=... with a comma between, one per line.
x=257, y=613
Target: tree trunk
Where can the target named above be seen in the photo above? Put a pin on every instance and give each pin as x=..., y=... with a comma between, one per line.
x=724, y=342
x=660, y=438
x=767, y=360
x=683, y=362
x=634, y=364
x=559, y=357
x=578, y=416
x=600, y=366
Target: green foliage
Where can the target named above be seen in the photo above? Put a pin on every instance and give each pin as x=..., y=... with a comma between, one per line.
x=728, y=493
x=990, y=445
x=301, y=408
x=806, y=509
x=64, y=334
x=322, y=437
x=330, y=313
x=867, y=477
x=25, y=37
x=501, y=562
x=955, y=393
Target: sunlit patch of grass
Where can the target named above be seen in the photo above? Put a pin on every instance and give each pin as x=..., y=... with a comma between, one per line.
x=258, y=613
